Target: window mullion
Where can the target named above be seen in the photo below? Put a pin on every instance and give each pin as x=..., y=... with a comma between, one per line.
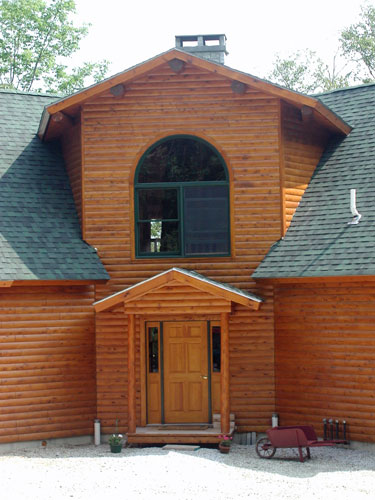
x=181, y=217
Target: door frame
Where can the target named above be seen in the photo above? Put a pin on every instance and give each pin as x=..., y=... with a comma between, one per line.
x=145, y=371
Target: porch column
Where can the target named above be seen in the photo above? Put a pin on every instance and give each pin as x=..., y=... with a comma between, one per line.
x=131, y=374
x=224, y=399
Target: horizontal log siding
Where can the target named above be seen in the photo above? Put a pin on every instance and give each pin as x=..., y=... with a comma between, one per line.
x=303, y=145
x=245, y=129
x=325, y=356
x=177, y=300
x=47, y=363
x=112, y=370
x=71, y=146
x=251, y=362
x=251, y=359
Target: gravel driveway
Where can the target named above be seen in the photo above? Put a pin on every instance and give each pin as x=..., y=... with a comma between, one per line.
x=88, y=472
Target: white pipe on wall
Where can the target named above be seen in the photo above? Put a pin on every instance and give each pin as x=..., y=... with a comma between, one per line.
x=353, y=208
x=275, y=420
x=97, y=432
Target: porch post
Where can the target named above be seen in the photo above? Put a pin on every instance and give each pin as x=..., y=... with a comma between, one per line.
x=131, y=375
x=224, y=399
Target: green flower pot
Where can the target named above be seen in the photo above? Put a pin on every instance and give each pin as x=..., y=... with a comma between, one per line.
x=116, y=448
x=223, y=448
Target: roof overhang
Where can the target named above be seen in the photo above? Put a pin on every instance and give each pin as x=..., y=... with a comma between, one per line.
x=40, y=282
x=70, y=105
x=231, y=294
x=315, y=279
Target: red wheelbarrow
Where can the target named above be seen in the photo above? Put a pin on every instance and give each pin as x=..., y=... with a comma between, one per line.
x=294, y=436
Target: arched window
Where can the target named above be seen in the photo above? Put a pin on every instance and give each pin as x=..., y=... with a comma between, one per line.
x=182, y=200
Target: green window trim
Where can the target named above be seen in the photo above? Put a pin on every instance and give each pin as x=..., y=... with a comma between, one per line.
x=198, y=208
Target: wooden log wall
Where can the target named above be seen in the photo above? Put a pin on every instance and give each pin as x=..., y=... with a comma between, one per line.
x=251, y=359
x=325, y=355
x=112, y=369
x=179, y=298
x=303, y=144
x=71, y=148
x=117, y=130
x=47, y=362
x=250, y=354
x=245, y=129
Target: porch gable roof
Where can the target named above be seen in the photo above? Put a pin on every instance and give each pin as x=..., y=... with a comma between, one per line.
x=185, y=276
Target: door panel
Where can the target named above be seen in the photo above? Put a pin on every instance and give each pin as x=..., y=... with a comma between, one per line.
x=185, y=372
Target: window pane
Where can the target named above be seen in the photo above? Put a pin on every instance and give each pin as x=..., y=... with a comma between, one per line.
x=153, y=349
x=216, y=348
x=157, y=204
x=159, y=237
x=181, y=159
x=206, y=222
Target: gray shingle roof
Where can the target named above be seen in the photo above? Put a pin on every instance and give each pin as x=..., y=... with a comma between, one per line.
x=39, y=228
x=319, y=241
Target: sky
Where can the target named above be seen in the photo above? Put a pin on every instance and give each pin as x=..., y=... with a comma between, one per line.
x=129, y=32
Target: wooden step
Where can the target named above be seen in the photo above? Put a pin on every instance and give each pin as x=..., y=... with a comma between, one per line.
x=154, y=435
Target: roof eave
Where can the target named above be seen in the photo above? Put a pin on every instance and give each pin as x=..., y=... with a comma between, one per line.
x=43, y=124
x=315, y=279
x=134, y=72
x=161, y=279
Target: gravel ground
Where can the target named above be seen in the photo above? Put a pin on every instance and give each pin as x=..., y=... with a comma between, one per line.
x=88, y=472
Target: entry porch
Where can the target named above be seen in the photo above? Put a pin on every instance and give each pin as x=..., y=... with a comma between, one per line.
x=178, y=331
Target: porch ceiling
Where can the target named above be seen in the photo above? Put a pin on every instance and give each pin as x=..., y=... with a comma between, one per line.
x=184, y=277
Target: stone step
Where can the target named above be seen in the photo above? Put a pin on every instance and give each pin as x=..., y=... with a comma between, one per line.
x=216, y=417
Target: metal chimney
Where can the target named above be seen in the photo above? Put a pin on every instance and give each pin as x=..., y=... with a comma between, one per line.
x=210, y=47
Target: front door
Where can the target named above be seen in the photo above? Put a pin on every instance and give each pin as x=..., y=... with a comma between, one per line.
x=186, y=377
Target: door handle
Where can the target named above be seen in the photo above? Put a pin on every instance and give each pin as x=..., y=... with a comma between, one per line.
x=204, y=377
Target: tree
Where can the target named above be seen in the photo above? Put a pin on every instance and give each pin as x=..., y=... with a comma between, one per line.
x=358, y=43
x=304, y=71
x=35, y=35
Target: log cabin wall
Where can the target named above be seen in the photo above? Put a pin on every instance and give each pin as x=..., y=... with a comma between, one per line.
x=303, y=142
x=116, y=131
x=245, y=130
x=72, y=152
x=325, y=355
x=47, y=362
x=252, y=396
x=112, y=369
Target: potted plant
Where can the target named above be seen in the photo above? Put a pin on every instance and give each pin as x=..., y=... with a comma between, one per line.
x=116, y=440
x=224, y=443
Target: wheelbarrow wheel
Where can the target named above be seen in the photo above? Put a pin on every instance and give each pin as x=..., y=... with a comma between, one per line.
x=264, y=448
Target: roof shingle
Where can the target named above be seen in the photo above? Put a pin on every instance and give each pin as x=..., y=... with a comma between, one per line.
x=319, y=241
x=39, y=228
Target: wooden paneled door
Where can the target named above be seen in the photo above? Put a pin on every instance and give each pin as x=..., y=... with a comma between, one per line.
x=186, y=372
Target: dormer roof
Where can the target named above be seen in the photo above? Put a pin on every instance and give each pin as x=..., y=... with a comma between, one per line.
x=70, y=105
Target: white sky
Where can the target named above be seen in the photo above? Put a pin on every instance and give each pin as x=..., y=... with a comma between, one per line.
x=129, y=32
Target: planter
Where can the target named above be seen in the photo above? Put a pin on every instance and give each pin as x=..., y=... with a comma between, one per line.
x=116, y=448
x=224, y=449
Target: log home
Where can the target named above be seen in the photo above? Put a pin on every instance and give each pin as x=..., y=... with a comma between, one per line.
x=175, y=249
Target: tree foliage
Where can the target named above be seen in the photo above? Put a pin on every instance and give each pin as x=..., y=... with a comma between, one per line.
x=35, y=37
x=358, y=43
x=306, y=72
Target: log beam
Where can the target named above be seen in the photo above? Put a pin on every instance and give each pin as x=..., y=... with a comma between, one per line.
x=131, y=374
x=307, y=113
x=118, y=90
x=238, y=87
x=62, y=119
x=176, y=65
x=224, y=399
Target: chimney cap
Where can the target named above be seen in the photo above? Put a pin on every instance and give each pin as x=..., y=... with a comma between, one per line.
x=201, y=46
